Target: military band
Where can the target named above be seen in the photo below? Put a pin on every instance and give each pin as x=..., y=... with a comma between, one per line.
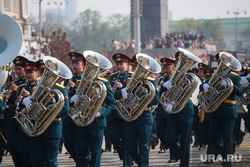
x=213, y=130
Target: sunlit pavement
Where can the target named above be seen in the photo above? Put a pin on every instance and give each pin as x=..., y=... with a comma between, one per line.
x=156, y=159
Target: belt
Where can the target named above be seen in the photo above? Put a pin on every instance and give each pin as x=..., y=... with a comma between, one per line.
x=57, y=119
x=148, y=108
x=230, y=101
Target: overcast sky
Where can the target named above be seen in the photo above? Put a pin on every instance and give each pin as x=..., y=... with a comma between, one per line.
x=207, y=9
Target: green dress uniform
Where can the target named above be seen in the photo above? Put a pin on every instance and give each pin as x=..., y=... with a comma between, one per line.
x=178, y=132
x=223, y=119
x=12, y=141
x=89, y=139
x=69, y=127
x=44, y=148
x=162, y=120
x=1, y=118
x=116, y=125
x=23, y=139
x=138, y=131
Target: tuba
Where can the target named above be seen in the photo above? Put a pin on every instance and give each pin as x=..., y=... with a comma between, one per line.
x=216, y=94
x=46, y=102
x=11, y=39
x=91, y=93
x=140, y=92
x=245, y=98
x=184, y=84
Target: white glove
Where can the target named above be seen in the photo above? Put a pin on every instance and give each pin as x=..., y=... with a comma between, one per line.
x=169, y=106
x=27, y=102
x=245, y=82
x=98, y=114
x=205, y=87
x=74, y=99
x=167, y=85
x=223, y=83
x=124, y=93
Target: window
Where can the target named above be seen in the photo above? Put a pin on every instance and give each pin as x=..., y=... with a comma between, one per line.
x=15, y=5
x=7, y=5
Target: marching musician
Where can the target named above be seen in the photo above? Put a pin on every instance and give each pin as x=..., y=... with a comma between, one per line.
x=40, y=67
x=223, y=119
x=1, y=118
x=138, y=131
x=162, y=116
x=203, y=126
x=44, y=148
x=23, y=101
x=116, y=125
x=88, y=144
x=12, y=141
x=69, y=126
x=179, y=129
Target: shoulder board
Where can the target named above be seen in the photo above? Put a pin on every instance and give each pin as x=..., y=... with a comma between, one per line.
x=248, y=68
x=234, y=73
x=113, y=73
x=130, y=72
x=102, y=79
x=150, y=78
x=57, y=84
x=11, y=82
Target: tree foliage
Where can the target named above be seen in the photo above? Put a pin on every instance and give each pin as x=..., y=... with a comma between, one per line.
x=89, y=31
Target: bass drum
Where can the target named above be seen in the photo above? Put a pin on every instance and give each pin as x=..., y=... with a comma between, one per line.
x=196, y=92
x=241, y=108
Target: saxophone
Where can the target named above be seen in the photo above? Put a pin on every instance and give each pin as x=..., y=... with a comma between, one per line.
x=216, y=94
x=45, y=108
x=140, y=92
x=184, y=83
x=91, y=93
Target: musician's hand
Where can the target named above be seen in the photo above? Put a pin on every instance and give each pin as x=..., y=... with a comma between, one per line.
x=167, y=85
x=169, y=106
x=245, y=82
x=98, y=114
x=14, y=87
x=18, y=100
x=74, y=99
x=25, y=93
x=118, y=84
x=223, y=83
x=124, y=93
x=27, y=102
x=205, y=87
x=71, y=84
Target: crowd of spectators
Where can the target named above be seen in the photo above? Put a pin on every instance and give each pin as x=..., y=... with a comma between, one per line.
x=174, y=40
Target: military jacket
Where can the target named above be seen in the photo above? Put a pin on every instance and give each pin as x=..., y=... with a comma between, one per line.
x=146, y=117
x=227, y=108
x=107, y=106
x=188, y=110
x=160, y=112
x=123, y=78
x=55, y=128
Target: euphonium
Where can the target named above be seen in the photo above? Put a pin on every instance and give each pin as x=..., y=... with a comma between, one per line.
x=140, y=92
x=245, y=98
x=45, y=107
x=216, y=93
x=183, y=83
x=91, y=93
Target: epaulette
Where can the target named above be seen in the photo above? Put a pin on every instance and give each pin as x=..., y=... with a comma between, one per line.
x=130, y=72
x=150, y=78
x=248, y=68
x=11, y=82
x=102, y=79
x=234, y=73
x=61, y=86
x=114, y=73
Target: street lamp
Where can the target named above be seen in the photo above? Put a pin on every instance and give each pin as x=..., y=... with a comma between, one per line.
x=236, y=12
x=58, y=4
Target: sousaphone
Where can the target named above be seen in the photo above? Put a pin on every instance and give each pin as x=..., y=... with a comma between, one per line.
x=11, y=39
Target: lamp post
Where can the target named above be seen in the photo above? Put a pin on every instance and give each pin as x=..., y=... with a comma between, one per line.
x=58, y=10
x=40, y=18
x=236, y=12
